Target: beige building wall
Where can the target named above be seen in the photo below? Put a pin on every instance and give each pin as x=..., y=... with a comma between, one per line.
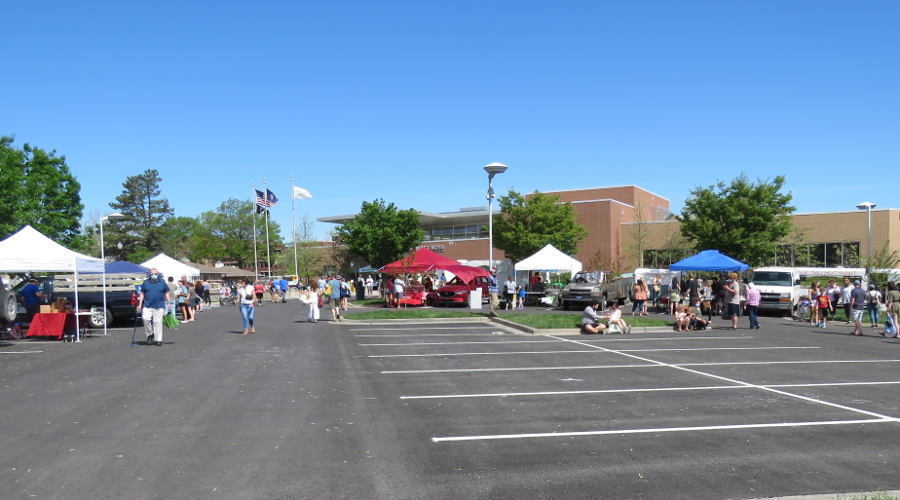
x=833, y=227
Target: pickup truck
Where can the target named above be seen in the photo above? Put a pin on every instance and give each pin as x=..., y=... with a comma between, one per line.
x=457, y=291
x=120, y=302
x=585, y=287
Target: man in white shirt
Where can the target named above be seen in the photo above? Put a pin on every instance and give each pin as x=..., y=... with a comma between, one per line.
x=509, y=292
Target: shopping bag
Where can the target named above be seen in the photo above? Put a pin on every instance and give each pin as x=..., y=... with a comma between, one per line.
x=170, y=321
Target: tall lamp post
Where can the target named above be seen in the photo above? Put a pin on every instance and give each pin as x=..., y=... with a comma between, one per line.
x=492, y=170
x=114, y=215
x=868, y=206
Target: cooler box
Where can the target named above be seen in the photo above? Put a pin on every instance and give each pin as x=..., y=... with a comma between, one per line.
x=475, y=299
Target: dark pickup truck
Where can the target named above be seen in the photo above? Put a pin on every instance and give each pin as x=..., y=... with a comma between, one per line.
x=120, y=301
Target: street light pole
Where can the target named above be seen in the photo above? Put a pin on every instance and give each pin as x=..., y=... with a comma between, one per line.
x=492, y=169
x=103, y=261
x=868, y=206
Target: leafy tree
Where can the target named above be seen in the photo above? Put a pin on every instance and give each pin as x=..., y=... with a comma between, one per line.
x=528, y=224
x=309, y=258
x=743, y=219
x=226, y=234
x=140, y=231
x=381, y=233
x=40, y=190
x=177, y=235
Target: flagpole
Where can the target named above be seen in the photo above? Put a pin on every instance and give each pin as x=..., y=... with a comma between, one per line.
x=253, y=214
x=294, y=230
x=268, y=253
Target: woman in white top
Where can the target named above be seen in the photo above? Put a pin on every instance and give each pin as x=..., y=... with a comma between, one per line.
x=310, y=297
x=247, y=295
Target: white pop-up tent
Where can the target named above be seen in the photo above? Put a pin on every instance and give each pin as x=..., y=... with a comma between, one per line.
x=171, y=267
x=549, y=258
x=29, y=250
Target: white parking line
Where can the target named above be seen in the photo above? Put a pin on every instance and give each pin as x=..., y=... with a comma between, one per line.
x=438, y=355
x=594, y=367
x=645, y=389
x=465, y=343
x=21, y=352
x=442, y=335
x=659, y=430
x=413, y=329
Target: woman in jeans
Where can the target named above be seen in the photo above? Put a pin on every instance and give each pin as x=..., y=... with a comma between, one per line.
x=873, y=300
x=247, y=295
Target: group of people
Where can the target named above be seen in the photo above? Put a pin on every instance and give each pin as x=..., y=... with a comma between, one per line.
x=187, y=297
x=821, y=302
x=689, y=300
x=591, y=319
x=514, y=294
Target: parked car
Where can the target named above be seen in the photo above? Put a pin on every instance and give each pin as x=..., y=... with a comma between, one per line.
x=457, y=292
x=8, y=305
x=585, y=287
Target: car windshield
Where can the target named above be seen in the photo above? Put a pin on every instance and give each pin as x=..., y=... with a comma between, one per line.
x=587, y=277
x=772, y=278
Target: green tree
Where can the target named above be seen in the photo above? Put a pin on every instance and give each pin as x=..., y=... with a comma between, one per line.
x=309, y=258
x=40, y=190
x=226, y=234
x=140, y=230
x=381, y=233
x=177, y=235
x=526, y=225
x=743, y=219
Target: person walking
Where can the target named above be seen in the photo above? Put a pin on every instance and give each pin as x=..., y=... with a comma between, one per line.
x=494, y=289
x=509, y=292
x=892, y=302
x=732, y=289
x=857, y=306
x=259, y=291
x=173, y=292
x=152, y=306
x=706, y=305
x=335, y=297
x=846, y=291
x=182, y=300
x=310, y=297
x=873, y=302
x=247, y=294
x=283, y=287
x=753, y=298
x=824, y=305
x=639, y=295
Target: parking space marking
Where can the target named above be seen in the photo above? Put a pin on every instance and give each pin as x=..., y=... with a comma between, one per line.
x=734, y=381
x=464, y=343
x=650, y=339
x=433, y=355
x=514, y=369
x=644, y=389
x=809, y=362
x=442, y=335
x=416, y=328
x=659, y=430
x=21, y=352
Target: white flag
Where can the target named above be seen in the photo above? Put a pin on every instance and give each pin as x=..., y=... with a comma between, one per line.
x=299, y=192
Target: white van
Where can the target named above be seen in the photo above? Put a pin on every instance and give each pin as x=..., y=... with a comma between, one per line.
x=779, y=288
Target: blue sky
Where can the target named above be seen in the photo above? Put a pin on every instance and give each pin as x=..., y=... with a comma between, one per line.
x=407, y=100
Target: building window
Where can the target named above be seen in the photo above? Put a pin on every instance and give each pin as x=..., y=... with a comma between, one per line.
x=456, y=232
x=838, y=254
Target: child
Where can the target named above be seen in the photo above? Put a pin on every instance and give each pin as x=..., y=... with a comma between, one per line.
x=695, y=316
x=521, y=294
x=824, y=303
x=615, y=318
x=681, y=318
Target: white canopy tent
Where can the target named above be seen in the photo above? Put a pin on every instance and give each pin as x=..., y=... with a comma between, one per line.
x=171, y=267
x=29, y=250
x=549, y=258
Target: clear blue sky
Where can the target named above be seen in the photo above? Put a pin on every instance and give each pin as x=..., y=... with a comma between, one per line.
x=407, y=100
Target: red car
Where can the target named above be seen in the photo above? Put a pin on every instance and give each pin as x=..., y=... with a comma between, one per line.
x=457, y=291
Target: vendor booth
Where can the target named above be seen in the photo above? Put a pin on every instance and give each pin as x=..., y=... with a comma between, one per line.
x=547, y=259
x=171, y=267
x=709, y=260
x=29, y=251
x=418, y=261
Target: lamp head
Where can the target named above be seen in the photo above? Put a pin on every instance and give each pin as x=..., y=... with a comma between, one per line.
x=495, y=168
x=114, y=215
x=866, y=205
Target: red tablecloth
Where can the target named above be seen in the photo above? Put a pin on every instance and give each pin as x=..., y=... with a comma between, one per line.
x=51, y=325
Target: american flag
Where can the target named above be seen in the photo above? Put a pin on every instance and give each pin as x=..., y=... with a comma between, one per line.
x=265, y=200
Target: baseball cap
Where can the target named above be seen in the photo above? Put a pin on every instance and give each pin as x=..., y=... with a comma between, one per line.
x=857, y=282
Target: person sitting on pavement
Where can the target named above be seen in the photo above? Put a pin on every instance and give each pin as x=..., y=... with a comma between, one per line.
x=615, y=318
x=590, y=320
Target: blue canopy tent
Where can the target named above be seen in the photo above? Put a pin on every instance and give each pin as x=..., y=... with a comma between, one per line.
x=124, y=267
x=709, y=260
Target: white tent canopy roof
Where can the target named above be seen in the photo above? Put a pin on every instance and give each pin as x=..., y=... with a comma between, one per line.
x=549, y=258
x=29, y=250
x=170, y=267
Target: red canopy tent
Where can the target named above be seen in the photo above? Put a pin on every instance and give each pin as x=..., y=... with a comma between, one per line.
x=466, y=273
x=420, y=260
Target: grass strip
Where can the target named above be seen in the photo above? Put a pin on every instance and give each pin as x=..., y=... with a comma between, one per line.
x=412, y=314
x=557, y=320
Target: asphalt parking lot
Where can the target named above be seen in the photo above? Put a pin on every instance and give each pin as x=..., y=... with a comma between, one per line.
x=449, y=410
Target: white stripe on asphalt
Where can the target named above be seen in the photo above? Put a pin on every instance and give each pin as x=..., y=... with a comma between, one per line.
x=658, y=430
x=399, y=328
x=437, y=355
x=21, y=352
x=595, y=367
x=646, y=389
x=442, y=335
x=466, y=343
